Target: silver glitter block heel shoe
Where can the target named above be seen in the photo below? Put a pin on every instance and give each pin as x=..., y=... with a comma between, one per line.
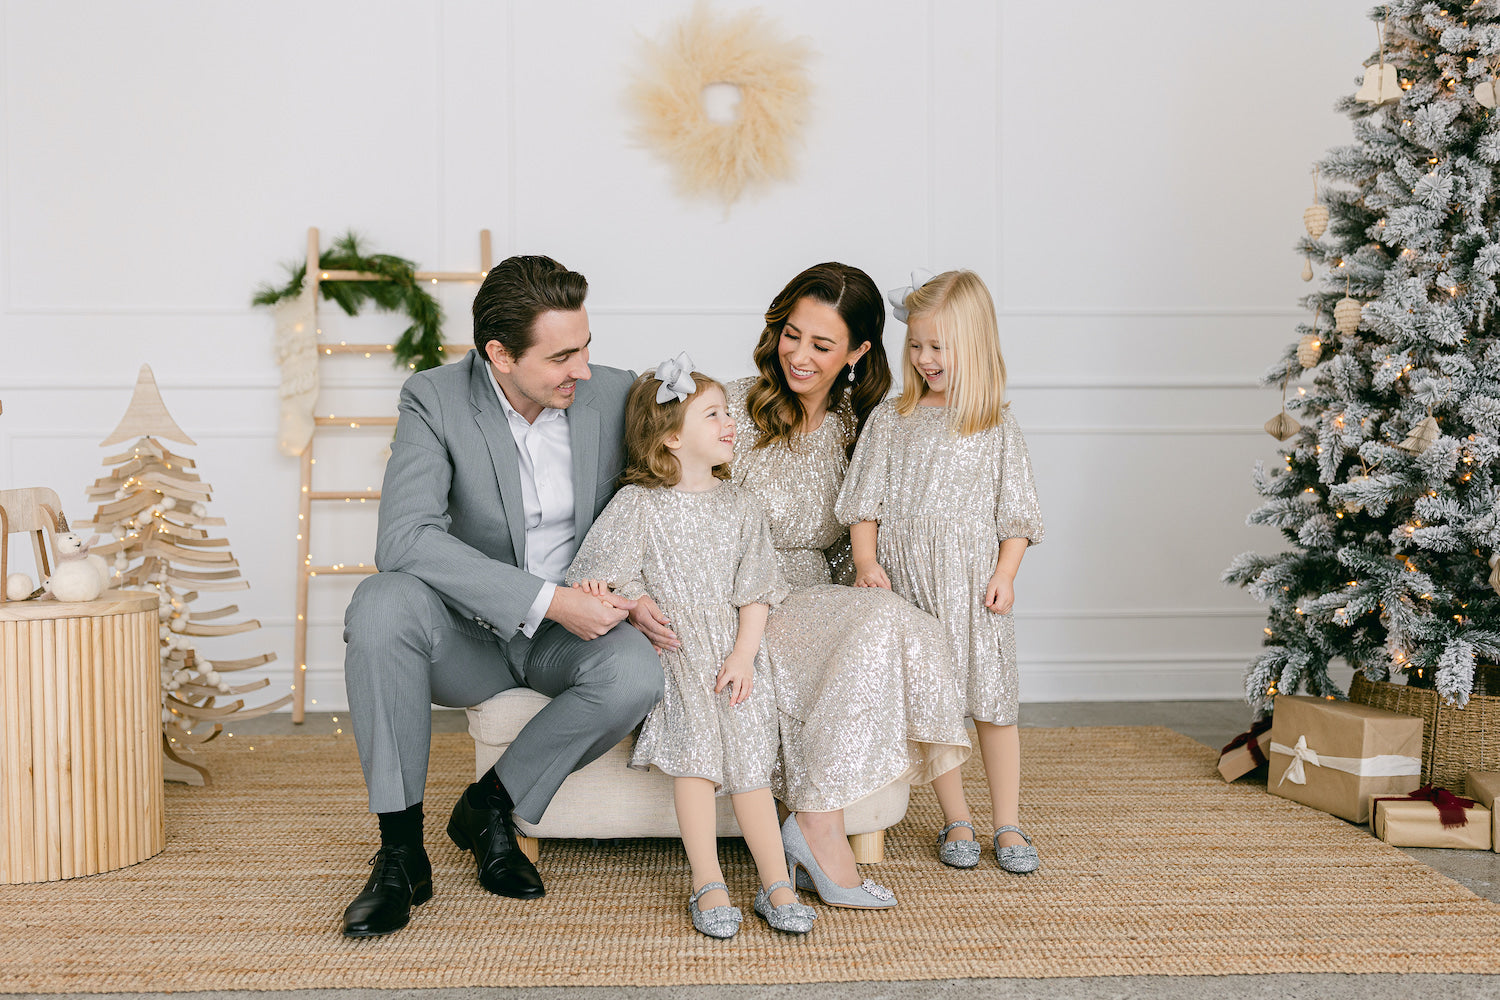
x=793, y=918
x=1019, y=859
x=958, y=853
x=868, y=895
x=719, y=922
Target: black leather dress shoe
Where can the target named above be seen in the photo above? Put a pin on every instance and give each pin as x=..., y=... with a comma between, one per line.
x=402, y=878
x=490, y=832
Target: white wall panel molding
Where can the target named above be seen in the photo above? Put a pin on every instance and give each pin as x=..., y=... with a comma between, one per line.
x=1072, y=614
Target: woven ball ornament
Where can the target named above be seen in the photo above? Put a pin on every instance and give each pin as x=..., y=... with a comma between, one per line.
x=1346, y=315
x=1309, y=349
x=1316, y=220
x=1354, y=506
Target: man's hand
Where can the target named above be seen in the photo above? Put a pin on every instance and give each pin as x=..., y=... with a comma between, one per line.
x=738, y=674
x=871, y=575
x=585, y=615
x=651, y=623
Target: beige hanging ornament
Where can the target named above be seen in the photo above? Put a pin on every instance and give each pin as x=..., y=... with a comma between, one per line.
x=1381, y=82
x=1484, y=92
x=1421, y=437
x=1309, y=349
x=1315, y=218
x=1354, y=506
x=1346, y=313
x=1495, y=572
x=1282, y=426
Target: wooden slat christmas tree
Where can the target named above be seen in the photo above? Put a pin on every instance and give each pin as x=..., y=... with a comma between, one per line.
x=156, y=509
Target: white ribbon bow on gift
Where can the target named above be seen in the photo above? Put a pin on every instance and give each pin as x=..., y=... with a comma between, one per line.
x=919, y=277
x=676, y=375
x=1385, y=765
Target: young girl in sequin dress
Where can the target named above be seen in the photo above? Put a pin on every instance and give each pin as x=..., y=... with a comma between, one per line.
x=701, y=547
x=942, y=506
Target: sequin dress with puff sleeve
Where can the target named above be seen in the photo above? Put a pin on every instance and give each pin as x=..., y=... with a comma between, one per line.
x=945, y=501
x=866, y=688
x=701, y=556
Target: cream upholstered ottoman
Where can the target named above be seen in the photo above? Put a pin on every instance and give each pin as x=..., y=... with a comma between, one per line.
x=608, y=799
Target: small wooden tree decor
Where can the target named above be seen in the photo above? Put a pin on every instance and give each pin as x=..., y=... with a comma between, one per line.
x=155, y=507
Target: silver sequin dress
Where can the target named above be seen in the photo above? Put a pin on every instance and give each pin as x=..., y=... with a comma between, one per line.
x=866, y=688
x=701, y=556
x=944, y=502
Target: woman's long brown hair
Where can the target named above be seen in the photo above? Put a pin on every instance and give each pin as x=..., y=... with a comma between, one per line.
x=772, y=404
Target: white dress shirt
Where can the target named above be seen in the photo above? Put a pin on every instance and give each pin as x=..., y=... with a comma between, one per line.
x=545, y=450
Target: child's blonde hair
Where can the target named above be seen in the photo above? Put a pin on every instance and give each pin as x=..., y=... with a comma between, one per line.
x=964, y=314
x=648, y=424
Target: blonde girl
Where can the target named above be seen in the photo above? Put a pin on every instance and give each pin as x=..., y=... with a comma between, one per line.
x=942, y=507
x=700, y=546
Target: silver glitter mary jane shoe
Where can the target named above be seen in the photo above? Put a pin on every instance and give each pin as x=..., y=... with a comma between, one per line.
x=719, y=922
x=1018, y=859
x=958, y=853
x=793, y=917
x=809, y=875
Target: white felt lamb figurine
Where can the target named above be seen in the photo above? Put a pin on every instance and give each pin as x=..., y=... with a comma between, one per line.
x=78, y=576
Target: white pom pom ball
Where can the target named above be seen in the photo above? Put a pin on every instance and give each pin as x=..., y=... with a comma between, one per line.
x=18, y=587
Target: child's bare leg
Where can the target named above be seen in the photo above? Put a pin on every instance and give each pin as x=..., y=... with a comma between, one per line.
x=1001, y=749
x=949, y=788
x=756, y=813
x=694, y=799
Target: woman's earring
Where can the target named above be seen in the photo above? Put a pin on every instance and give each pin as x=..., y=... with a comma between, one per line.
x=851, y=373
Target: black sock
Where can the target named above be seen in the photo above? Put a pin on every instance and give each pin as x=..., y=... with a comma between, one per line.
x=401, y=829
x=487, y=792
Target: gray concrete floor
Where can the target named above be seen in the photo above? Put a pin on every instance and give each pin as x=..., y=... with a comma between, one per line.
x=1213, y=723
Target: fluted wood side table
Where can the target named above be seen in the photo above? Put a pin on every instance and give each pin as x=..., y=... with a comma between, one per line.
x=80, y=737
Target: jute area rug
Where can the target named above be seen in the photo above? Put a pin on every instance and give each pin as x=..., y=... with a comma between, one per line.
x=1152, y=865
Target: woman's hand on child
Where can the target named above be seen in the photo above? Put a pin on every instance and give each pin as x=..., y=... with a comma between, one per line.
x=871, y=575
x=651, y=623
x=1000, y=595
x=738, y=674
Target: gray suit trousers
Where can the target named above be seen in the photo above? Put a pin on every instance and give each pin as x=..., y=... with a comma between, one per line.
x=407, y=650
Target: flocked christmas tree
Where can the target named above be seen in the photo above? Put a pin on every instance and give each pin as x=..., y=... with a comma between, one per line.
x=1387, y=488
x=155, y=508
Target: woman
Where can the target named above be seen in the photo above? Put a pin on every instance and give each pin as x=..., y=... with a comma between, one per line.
x=866, y=686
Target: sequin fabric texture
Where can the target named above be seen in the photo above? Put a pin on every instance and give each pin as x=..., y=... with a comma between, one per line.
x=867, y=689
x=701, y=556
x=944, y=502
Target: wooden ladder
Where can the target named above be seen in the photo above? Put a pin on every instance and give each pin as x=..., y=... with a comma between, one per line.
x=307, y=496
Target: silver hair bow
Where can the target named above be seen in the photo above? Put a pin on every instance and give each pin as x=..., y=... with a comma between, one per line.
x=919, y=277
x=676, y=376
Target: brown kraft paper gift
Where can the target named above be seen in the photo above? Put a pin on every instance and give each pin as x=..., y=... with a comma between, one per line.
x=1418, y=823
x=1483, y=786
x=1342, y=753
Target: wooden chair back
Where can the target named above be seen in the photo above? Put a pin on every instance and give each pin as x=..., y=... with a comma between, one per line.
x=33, y=511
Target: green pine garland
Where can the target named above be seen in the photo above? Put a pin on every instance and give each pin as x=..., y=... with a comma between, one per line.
x=421, y=345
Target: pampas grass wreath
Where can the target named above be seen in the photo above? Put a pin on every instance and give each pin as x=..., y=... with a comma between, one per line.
x=748, y=51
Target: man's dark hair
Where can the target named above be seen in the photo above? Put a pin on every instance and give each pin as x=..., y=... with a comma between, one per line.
x=517, y=291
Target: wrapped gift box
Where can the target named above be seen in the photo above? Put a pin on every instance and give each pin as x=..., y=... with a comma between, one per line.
x=1482, y=788
x=1334, y=755
x=1246, y=752
x=1419, y=822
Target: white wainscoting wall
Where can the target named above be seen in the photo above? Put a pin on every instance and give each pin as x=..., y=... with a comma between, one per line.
x=1129, y=179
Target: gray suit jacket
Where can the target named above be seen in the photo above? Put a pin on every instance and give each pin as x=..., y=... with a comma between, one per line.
x=450, y=508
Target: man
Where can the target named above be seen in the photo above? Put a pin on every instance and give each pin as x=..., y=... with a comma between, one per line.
x=500, y=464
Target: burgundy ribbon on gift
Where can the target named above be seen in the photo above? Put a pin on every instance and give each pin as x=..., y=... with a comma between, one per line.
x=1450, y=807
x=1250, y=739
